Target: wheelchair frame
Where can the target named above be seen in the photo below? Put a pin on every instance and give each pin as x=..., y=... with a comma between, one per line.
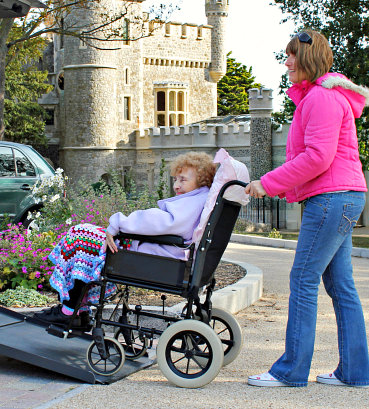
x=198, y=341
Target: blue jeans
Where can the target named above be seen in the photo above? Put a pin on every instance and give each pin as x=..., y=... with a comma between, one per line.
x=324, y=250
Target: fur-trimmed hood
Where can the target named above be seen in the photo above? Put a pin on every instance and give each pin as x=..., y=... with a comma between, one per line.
x=357, y=95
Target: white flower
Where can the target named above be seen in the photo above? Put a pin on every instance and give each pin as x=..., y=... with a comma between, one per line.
x=32, y=226
x=59, y=171
x=37, y=215
x=44, y=197
x=68, y=221
x=56, y=197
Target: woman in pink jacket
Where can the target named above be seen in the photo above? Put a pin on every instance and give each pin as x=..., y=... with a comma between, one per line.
x=323, y=171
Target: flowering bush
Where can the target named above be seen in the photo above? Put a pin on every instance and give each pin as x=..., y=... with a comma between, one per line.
x=24, y=258
x=66, y=205
x=24, y=253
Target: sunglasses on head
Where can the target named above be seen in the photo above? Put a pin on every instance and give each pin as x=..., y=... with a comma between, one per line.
x=304, y=38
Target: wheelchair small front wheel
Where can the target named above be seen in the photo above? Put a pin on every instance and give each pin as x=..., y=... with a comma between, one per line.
x=229, y=331
x=111, y=363
x=135, y=344
x=189, y=354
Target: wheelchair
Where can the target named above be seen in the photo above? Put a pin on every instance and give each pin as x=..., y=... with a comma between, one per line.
x=193, y=344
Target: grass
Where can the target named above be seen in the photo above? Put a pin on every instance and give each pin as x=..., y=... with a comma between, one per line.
x=357, y=241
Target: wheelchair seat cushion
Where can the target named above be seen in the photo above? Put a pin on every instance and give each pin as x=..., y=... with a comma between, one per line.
x=229, y=169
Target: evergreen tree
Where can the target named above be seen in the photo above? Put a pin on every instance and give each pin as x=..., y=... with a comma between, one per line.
x=24, y=118
x=232, y=88
x=346, y=25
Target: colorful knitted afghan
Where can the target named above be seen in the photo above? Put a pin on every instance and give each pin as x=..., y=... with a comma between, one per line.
x=79, y=256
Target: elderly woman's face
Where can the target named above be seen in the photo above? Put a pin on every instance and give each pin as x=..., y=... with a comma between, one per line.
x=294, y=74
x=185, y=181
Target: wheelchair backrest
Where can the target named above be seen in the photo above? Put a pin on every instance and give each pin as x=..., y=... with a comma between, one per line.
x=215, y=237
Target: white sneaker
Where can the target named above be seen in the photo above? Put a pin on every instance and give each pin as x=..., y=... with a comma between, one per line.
x=330, y=379
x=264, y=379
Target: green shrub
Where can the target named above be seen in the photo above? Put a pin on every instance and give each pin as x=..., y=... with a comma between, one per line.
x=23, y=297
x=275, y=234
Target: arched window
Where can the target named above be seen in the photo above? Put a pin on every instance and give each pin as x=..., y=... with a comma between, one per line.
x=170, y=103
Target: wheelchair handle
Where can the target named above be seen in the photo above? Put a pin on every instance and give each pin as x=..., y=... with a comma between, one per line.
x=231, y=183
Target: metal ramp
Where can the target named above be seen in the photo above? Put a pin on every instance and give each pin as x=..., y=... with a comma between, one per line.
x=25, y=339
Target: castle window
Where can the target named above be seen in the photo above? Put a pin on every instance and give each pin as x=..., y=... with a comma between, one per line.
x=62, y=33
x=50, y=117
x=184, y=31
x=172, y=101
x=199, y=33
x=161, y=101
x=160, y=120
x=125, y=31
x=126, y=76
x=172, y=120
x=180, y=104
x=171, y=104
x=167, y=29
x=82, y=43
x=127, y=108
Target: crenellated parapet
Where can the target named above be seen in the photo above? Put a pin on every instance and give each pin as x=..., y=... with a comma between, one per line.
x=195, y=136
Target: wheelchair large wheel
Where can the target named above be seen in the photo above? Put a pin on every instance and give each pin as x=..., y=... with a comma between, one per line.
x=135, y=347
x=229, y=331
x=112, y=363
x=189, y=354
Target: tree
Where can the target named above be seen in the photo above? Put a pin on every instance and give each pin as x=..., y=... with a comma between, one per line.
x=346, y=25
x=24, y=118
x=107, y=30
x=232, y=88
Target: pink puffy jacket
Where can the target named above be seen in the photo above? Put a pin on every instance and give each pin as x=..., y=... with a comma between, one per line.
x=322, y=148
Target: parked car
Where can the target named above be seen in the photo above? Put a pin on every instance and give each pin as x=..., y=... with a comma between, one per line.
x=20, y=168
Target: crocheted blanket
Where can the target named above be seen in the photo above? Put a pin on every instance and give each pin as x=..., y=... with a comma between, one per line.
x=79, y=256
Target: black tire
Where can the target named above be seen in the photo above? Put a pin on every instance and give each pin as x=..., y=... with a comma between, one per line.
x=114, y=361
x=229, y=331
x=135, y=347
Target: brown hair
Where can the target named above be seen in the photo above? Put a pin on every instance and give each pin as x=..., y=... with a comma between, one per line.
x=313, y=59
x=200, y=161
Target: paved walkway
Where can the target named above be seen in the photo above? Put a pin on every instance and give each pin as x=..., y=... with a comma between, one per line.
x=263, y=325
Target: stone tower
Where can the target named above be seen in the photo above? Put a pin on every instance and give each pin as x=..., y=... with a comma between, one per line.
x=91, y=100
x=217, y=13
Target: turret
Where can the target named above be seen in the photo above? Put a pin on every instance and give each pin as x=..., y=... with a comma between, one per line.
x=217, y=13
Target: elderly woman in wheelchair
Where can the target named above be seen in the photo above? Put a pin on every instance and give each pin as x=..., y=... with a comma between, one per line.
x=174, y=249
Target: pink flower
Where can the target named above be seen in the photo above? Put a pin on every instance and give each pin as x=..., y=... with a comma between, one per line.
x=24, y=270
x=39, y=286
x=37, y=274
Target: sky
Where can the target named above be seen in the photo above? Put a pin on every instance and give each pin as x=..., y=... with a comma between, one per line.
x=254, y=35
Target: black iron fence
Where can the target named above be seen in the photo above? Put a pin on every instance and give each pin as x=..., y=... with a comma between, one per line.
x=271, y=211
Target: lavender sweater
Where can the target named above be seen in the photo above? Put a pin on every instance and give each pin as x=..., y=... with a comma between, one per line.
x=177, y=215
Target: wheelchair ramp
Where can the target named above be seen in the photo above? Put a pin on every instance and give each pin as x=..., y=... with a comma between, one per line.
x=26, y=340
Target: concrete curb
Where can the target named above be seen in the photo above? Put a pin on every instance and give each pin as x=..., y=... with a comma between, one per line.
x=287, y=244
x=237, y=296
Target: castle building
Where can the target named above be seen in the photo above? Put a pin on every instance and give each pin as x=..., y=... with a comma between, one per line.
x=103, y=96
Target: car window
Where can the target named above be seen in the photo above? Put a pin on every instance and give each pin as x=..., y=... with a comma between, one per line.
x=7, y=167
x=23, y=164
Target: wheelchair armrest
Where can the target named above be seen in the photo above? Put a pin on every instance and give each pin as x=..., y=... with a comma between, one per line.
x=170, y=239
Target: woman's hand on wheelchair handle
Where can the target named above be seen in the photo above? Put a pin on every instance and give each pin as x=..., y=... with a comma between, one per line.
x=255, y=189
x=109, y=242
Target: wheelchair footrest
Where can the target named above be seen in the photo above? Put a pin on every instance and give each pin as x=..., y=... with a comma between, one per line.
x=57, y=331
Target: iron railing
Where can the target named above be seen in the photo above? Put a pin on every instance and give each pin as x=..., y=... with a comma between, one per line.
x=271, y=211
